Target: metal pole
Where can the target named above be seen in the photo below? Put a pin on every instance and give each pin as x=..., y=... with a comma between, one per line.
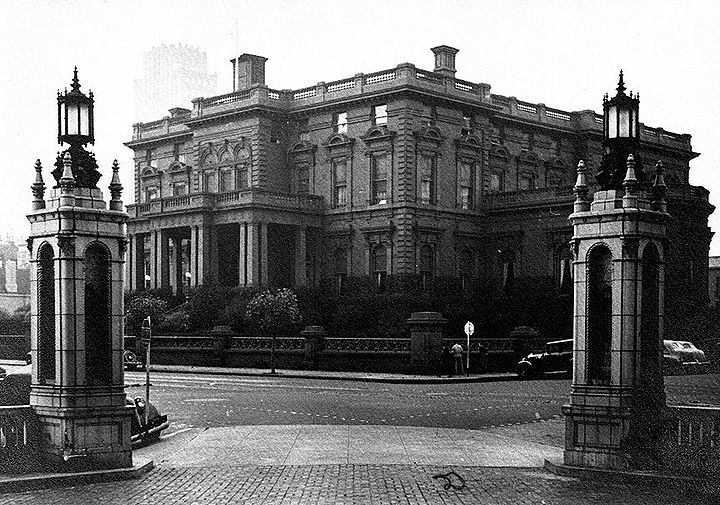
x=147, y=371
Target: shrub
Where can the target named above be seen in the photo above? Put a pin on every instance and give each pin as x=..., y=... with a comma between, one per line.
x=273, y=312
x=17, y=323
x=206, y=307
x=174, y=322
x=140, y=306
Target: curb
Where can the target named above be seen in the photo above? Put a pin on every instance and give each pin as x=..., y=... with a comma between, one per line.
x=339, y=377
x=51, y=480
x=633, y=477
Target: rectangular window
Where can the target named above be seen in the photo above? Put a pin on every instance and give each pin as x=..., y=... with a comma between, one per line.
x=427, y=179
x=227, y=182
x=305, y=136
x=495, y=183
x=178, y=155
x=242, y=175
x=179, y=188
x=151, y=193
x=303, y=179
x=150, y=158
x=341, y=122
x=467, y=125
x=467, y=186
x=380, y=115
x=379, y=166
x=340, y=182
x=429, y=115
x=211, y=182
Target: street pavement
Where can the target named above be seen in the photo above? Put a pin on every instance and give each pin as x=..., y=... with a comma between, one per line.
x=308, y=459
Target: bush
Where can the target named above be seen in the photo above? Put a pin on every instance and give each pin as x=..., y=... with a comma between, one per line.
x=206, y=307
x=273, y=312
x=173, y=323
x=17, y=323
x=140, y=306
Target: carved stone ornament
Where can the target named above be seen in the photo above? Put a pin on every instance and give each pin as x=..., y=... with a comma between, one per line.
x=66, y=245
x=29, y=242
x=122, y=246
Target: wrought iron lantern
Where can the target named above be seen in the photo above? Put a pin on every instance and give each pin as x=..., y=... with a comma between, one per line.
x=75, y=115
x=621, y=114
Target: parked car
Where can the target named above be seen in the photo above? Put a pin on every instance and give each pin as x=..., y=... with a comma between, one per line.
x=557, y=357
x=15, y=390
x=131, y=361
x=681, y=356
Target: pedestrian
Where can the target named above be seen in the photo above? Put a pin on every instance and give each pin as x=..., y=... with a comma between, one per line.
x=445, y=361
x=457, y=352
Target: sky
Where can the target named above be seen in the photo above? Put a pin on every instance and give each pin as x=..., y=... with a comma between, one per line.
x=565, y=54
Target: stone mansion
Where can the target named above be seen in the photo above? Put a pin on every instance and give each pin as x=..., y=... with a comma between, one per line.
x=401, y=171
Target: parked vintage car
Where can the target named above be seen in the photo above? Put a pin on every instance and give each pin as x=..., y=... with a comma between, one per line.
x=681, y=357
x=557, y=357
x=15, y=390
x=131, y=361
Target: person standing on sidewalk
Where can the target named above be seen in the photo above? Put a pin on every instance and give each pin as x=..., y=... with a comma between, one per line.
x=457, y=353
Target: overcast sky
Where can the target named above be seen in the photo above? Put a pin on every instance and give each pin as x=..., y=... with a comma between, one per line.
x=565, y=54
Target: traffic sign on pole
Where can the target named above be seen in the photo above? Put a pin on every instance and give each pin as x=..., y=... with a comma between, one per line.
x=469, y=330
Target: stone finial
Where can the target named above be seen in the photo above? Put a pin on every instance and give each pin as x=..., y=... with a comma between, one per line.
x=67, y=180
x=582, y=203
x=630, y=181
x=621, y=84
x=659, y=188
x=38, y=188
x=115, y=188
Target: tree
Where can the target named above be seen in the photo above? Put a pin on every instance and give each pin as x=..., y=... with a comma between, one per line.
x=139, y=307
x=273, y=312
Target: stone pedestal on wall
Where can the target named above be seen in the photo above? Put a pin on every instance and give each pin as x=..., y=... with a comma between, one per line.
x=77, y=388
x=613, y=419
x=426, y=333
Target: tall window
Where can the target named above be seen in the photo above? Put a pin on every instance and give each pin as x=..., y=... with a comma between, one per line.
x=178, y=155
x=427, y=179
x=340, y=269
x=242, y=175
x=466, y=267
x=339, y=182
x=426, y=265
x=147, y=256
x=179, y=188
x=507, y=259
x=46, y=315
x=496, y=184
x=379, y=266
x=467, y=125
x=429, y=115
x=227, y=179
x=564, y=272
x=211, y=182
x=98, y=308
x=340, y=122
x=379, y=166
x=151, y=193
x=303, y=178
x=380, y=115
x=150, y=158
x=467, y=186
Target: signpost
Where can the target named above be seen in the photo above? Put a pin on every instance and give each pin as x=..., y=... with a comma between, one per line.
x=469, y=330
x=146, y=336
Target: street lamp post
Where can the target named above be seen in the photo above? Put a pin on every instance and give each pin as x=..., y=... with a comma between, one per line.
x=188, y=278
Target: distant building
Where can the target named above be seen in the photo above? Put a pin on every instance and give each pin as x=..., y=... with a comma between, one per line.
x=14, y=275
x=714, y=279
x=398, y=173
x=172, y=74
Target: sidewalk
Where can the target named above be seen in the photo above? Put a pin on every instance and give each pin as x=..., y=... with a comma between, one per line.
x=335, y=375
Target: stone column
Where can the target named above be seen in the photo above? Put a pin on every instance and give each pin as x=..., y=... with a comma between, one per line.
x=300, y=257
x=263, y=255
x=194, y=257
x=131, y=264
x=11, y=276
x=252, y=254
x=426, y=333
x=242, y=255
x=164, y=259
x=154, y=259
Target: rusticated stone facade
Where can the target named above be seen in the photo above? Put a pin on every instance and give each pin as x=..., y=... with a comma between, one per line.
x=402, y=171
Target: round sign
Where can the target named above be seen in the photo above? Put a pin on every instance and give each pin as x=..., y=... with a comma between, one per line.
x=469, y=328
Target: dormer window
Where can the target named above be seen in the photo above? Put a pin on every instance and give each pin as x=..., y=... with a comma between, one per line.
x=340, y=122
x=380, y=115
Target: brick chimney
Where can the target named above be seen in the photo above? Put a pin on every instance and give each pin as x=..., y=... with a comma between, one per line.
x=248, y=70
x=444, y=60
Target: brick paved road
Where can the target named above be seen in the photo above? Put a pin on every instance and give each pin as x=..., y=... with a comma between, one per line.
x=353, y=484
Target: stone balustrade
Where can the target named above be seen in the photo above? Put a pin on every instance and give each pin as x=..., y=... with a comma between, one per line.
x=248, y=197
x=691, y=442
x=19, y=436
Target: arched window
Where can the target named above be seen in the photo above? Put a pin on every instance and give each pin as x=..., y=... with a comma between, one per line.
x=46, y=314
x=340, y=269
x=379, y=266
x=599, y=321
x=98, y=309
